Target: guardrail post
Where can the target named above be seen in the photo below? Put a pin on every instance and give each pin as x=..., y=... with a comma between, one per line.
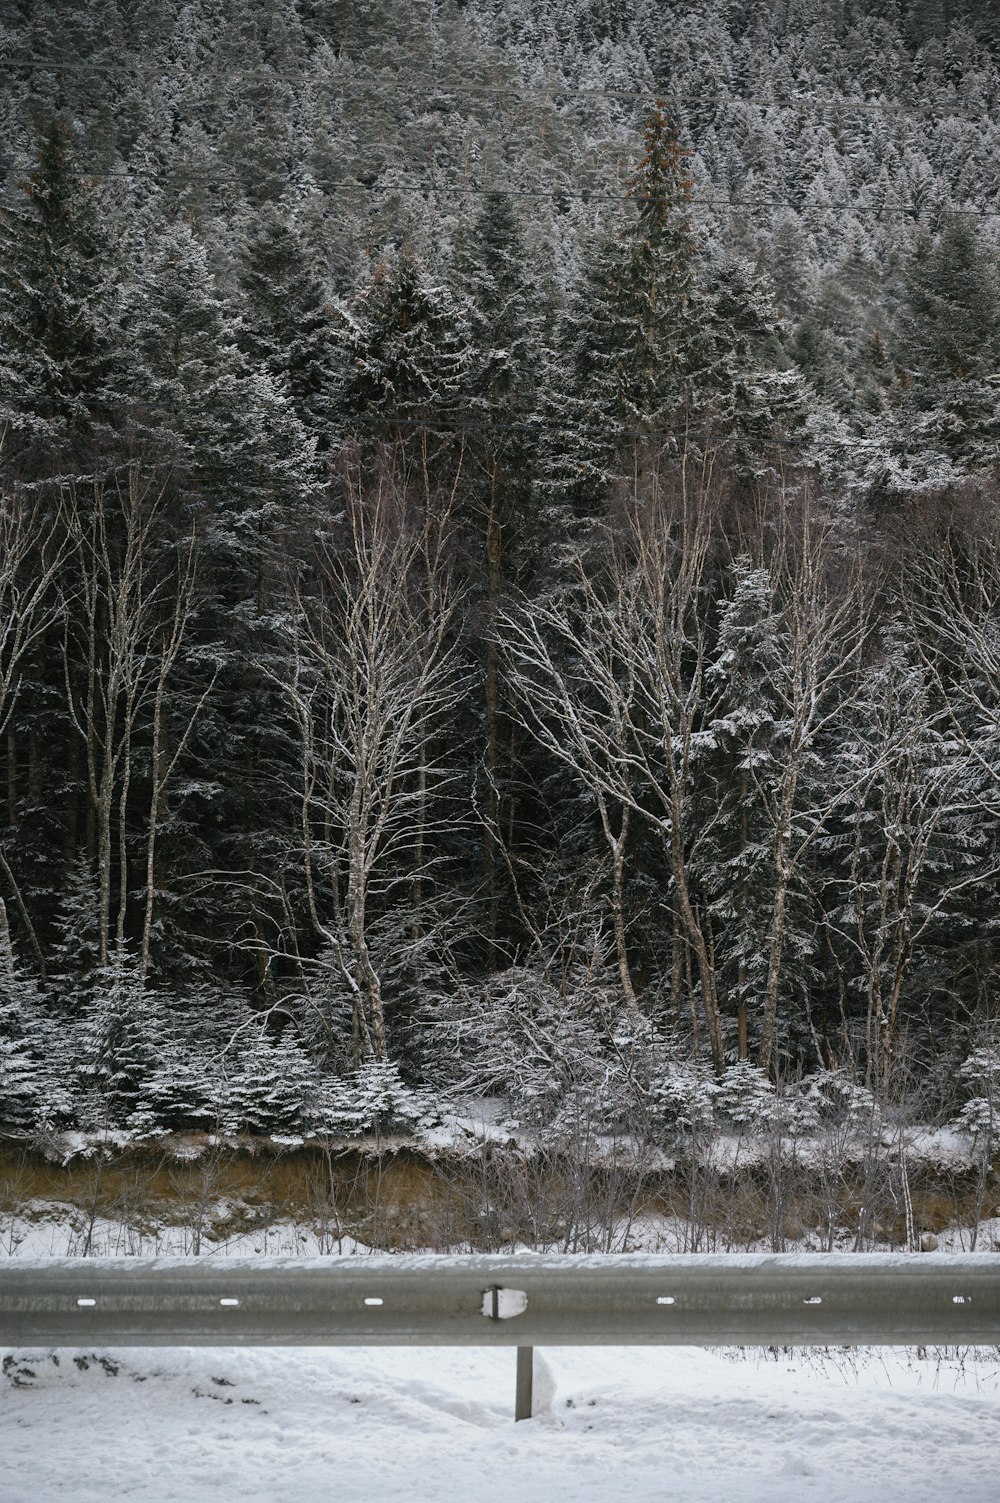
x=525, y=1377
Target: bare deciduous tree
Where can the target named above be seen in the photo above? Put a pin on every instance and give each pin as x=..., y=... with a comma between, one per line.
x=824, y=614
x=32, y=551
x=125, y=616
x=376, y=676
x=611, y=682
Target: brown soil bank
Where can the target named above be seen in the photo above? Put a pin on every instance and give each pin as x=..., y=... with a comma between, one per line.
x=393, y=1194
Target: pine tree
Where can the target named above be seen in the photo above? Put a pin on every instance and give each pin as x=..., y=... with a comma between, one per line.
x=286, y=327
x=409, y=358
x=633, y=344
x=59, y=318
x=949, y=336
x=491, y=268
x=580, y=427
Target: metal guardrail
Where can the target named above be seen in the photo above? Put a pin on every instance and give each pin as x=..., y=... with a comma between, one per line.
x=524, y=1300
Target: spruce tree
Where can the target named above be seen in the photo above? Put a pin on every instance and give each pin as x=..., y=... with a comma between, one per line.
x=756, y=400
x=22, y=1058
x=949, y=340
x=226, y=424
x=118, y=1051
x=502, y=535
x=275, y=1089
x=634, y=344
x=739, y=768
x=286, y=327
x=409, y=355
x=59, y=319
x=242, y=470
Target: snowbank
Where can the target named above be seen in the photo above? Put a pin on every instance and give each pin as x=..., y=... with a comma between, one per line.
x=435, y=1427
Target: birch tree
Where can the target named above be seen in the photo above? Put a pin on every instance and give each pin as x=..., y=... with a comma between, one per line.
x=611, y=681
x=824, y=614
x=125, y=613
x=31, y=556
x=619, y=682
x=916, y=839
x=376, y=675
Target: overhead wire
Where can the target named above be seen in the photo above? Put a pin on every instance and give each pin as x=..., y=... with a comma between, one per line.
x=429, y=424
x=764, y=201
x=209, y=179
x=548, y=91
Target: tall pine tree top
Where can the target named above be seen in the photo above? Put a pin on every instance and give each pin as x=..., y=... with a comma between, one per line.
x=58, y=313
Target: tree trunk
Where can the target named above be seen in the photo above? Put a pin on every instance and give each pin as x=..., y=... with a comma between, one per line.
x=490, y=757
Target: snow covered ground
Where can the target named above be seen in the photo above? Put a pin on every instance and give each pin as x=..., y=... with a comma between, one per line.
x=435, y=1426
x=49, y=1230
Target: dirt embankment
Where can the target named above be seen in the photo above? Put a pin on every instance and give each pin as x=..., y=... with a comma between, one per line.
x=393, y=1194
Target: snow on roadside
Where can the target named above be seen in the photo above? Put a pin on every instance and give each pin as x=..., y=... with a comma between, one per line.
x=435, y=1426
x=50, y=1229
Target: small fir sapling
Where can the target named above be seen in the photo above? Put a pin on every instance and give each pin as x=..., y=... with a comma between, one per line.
x=376, y=1100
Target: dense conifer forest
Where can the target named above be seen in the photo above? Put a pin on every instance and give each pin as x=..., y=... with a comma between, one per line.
x=499, y=570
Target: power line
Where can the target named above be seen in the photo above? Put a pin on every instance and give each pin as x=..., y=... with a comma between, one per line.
x=765, y=201
x=711, y=203
x=342, y=428
x=205, y=177
x=553, y=91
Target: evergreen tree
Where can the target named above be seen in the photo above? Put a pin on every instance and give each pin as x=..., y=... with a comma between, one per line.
x=737, y=768
x=409, y=356
x=226, y=425
x=258, y=58
x=376, y=1100
x=657, y=354
x=76, y=950
x=117, y=1051
x=633, y=344
x=275, y=1089
x=740, y=769
x=22, y=1071
x=491, y=267
x=949, y=335
x=242, y=466
x=59, y=318
x=756, y=400
x=502, y=535
x=286, y=327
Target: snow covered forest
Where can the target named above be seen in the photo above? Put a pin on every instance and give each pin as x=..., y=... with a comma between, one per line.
x=499, y=569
